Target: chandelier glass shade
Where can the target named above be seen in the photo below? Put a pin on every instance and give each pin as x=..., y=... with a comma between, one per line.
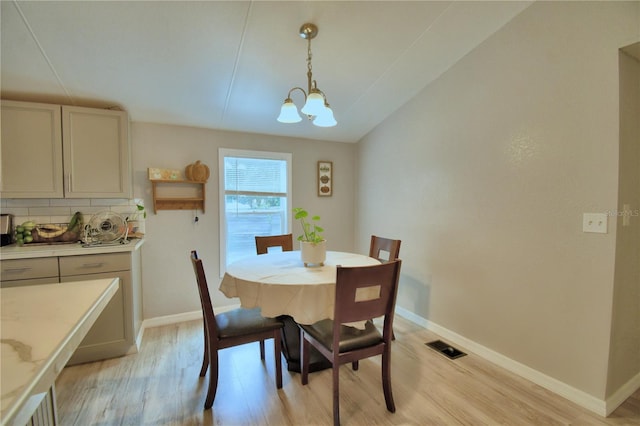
x=316, y=107
x=289, y=112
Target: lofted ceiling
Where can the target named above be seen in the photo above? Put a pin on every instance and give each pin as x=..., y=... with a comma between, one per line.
x=230, y=64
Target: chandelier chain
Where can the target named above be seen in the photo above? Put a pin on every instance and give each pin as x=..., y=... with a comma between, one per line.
x=309, y=66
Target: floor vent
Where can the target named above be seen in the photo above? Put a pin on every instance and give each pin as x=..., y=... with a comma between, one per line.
x=445, y=349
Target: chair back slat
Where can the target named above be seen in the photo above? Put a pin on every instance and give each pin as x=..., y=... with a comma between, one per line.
x=205, y=299
x=365, y=292
x=263, y=242
x=380, y=245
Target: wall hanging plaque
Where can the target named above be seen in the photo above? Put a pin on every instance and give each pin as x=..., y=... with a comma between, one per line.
x=325, y=178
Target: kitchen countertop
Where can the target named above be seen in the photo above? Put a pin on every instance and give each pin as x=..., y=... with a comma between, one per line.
x=42, y=325
x=48, y=250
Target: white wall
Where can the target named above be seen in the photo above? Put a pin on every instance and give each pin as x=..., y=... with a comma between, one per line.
x=168, y=280
x=624, y=358
x=485, y=176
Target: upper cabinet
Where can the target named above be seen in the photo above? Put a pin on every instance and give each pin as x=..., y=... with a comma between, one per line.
x=31, y=150
x=53, y=151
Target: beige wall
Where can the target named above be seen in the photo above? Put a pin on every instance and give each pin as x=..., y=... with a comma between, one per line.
x=624, y=360
x=168, y=281
x=485, y=176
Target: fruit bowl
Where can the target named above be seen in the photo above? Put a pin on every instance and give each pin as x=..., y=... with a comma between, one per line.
x=47, y=233
x=55, y=233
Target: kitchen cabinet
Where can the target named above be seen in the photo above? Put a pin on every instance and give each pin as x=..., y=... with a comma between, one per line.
x=114, y=332
x=31, y=146
x=53, y=151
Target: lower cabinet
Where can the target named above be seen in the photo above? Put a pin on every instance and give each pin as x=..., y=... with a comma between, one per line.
x=114, y=332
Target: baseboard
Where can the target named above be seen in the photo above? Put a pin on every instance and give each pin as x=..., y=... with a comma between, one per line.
x=175, y=319
x=622, y=394
x=171, y=319
x=591, y=403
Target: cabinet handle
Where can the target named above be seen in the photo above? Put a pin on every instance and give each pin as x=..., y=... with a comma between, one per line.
x=92, y=265
x=16, y=270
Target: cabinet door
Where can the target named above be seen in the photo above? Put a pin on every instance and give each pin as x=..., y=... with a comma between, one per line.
x=111, y=335
x=96, y=153
x=31, y=148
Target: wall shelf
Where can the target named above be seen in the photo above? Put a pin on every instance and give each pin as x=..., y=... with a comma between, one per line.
x=173, y=194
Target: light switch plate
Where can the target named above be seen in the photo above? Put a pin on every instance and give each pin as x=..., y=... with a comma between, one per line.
x=594, y=222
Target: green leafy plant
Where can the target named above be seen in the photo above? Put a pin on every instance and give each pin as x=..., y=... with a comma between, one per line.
x=141, y=209
x=140, y=213
x=312, y=232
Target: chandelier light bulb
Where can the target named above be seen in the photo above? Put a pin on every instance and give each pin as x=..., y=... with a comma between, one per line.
x=314, y=104
x=325, y=118
x=289, y=112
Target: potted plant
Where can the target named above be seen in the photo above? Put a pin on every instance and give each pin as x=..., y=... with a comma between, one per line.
x=313, y=247
x=135, y=222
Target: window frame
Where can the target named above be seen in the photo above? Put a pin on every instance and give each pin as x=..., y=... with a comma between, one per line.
x=243, y=153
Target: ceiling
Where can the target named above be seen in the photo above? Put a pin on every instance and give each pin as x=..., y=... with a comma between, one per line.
x=230, y=64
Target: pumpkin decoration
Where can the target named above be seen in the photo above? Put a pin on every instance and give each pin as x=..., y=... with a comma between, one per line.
x=197, y=172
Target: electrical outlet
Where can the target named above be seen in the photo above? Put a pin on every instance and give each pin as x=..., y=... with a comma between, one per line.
x=594, y=222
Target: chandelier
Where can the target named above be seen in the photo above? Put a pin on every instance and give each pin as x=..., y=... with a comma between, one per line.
x=316, y=106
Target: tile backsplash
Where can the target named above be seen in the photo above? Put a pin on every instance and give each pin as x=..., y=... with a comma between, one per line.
x=53, y=210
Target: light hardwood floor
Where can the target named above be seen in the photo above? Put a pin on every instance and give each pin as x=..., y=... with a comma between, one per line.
x=160, y=386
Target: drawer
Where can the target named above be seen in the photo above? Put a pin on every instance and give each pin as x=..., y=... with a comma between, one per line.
x=31, y=281
x=24, y=269
x=94, y=264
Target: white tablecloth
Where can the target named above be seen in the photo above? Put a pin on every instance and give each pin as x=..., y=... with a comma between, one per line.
x=280, y=284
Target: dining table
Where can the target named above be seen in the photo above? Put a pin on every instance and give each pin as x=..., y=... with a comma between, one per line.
x=283, y=287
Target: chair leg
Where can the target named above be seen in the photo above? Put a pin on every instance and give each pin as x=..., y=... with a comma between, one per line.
x=336, y=393
x=213, y=381
x=205, y=356
x=304, y=358
x=262, y=350
x=386, y=379
x=355, y=365
x=278, y=358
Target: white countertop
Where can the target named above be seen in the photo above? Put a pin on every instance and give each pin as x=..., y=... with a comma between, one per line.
x=41, y=327
x=48, y=250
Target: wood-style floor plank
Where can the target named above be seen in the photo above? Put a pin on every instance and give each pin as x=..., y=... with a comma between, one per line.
x=160, y=386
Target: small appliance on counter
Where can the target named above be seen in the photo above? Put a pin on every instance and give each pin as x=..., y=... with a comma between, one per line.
x=105, y=228
x=6, y=229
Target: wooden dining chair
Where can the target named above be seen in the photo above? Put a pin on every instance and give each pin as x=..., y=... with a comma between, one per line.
x=232, y=328
x=343, y=344
x=380, y=245
x=264, y=242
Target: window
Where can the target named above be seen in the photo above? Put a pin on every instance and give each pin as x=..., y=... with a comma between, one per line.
x=255, y=199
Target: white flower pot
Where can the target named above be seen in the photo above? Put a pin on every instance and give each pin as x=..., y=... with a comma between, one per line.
x=313, y=253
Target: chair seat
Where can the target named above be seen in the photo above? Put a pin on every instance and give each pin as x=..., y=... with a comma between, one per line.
x=239, y=322
x=350, y=337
